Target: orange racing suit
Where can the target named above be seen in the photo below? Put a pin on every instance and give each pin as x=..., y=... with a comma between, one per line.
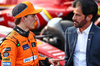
x=20, y=49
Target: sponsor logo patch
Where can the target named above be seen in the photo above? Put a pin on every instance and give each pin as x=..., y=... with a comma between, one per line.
x=7, y=49
x=6, y=59
x=30, y=58
x=33, y=44
x=23, y=41
x=5, y=54
x=25, y=46
x=6, y=63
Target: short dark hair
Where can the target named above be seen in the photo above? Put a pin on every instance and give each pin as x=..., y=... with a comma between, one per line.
x=88, y=7
x=17, y=20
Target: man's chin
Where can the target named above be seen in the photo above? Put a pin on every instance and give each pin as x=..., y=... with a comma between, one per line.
x=75, y=26
x=32, y=28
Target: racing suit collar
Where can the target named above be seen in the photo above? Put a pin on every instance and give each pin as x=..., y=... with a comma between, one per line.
x=21, y=32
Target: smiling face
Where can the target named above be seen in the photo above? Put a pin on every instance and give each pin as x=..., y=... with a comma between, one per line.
x=30, y=21
x=79, y=18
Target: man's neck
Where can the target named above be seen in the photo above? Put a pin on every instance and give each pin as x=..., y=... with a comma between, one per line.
x=23, y=28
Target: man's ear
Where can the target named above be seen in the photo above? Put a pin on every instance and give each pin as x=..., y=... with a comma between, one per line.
x=89, y=17
x=23, y=19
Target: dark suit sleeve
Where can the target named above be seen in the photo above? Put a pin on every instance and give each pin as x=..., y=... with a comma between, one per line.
x=66, y=47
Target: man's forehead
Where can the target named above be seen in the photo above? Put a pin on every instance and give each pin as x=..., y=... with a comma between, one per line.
x=32, y=14
x=77, y=9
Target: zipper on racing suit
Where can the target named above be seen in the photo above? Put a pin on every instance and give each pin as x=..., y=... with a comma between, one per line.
x=31, y=51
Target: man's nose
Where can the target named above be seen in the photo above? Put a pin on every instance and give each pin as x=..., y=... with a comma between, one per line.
x=73, y=18
x=36, y=17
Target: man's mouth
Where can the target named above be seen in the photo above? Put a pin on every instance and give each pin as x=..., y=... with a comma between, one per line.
x=75, y=21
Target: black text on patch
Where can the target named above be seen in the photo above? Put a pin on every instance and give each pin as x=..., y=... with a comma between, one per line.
x=6, y=59
x=33, y=44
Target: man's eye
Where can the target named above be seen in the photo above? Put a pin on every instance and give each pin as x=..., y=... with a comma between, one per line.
x=77, y=15
x=33, y=15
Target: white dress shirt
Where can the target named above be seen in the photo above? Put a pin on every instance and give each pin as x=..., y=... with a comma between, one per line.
x=79, y=57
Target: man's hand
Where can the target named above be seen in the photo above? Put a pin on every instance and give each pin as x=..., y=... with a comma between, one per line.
x=55, y=62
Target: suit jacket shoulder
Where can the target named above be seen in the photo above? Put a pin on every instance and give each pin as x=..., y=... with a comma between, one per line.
x=71, y=30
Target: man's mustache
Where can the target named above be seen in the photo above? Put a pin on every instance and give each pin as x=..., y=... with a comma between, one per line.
x=75, y=21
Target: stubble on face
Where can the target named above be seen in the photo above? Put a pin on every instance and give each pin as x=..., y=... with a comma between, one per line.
x=80, y=24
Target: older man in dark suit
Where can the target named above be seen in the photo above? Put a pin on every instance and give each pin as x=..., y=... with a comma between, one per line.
x=82, y=42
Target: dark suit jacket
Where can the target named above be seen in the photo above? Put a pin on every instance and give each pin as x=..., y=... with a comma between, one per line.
x=93, y=46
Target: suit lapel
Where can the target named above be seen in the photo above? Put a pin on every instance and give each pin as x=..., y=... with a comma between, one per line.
x=89, y=40
x=75, y=39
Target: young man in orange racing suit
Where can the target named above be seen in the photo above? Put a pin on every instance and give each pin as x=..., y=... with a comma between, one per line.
x=20, y=47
